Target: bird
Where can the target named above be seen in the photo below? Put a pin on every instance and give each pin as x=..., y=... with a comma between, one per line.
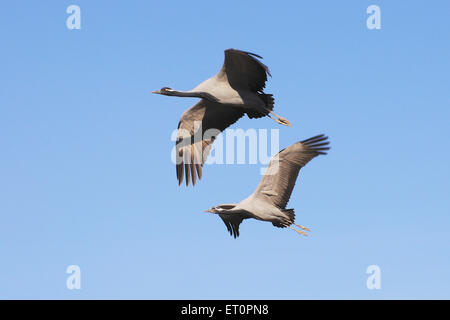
x=237, y=89
x=268, y=202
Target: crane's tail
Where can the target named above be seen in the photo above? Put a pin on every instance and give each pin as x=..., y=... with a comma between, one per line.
x=268, y=101
x=302, y=230
x=267, y=110
x=290, y=213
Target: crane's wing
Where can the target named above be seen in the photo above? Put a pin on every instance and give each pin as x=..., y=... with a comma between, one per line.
x=232, y=222
x=244, y=71
x=279, y=180
x=197, y=130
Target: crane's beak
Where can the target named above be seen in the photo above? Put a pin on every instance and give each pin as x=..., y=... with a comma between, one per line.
x=208, y=211
x=157, y=91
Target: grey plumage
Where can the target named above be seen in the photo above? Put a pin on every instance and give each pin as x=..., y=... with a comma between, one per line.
x=237, y=89
x=268, y=202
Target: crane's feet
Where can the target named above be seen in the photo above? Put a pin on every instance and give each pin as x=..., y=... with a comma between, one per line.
x=283, y=121
x=302, y=227
x=280, y=119
x=303, y=233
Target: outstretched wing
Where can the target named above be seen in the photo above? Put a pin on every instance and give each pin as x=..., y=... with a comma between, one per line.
x=244, y=71
x=197, y=130
x=279, y=180
x=232, y=222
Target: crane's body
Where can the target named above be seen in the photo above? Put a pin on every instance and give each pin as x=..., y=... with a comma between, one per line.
x=220, y=90
x=225, y=94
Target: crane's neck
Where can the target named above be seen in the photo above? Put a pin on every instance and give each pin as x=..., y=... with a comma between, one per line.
x=180, y=93
x=192, y=94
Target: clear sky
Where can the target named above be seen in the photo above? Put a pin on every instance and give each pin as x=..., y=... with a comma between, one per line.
x=86, y=177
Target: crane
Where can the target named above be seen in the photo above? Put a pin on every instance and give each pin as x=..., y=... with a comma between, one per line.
x=268, y=202
x=236, y=90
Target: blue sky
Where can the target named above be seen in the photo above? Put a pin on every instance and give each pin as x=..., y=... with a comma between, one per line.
x=86, y=176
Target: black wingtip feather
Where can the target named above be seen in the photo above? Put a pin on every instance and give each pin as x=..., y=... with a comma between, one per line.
x=318, y=144
x=180, y=173
x=187, y=172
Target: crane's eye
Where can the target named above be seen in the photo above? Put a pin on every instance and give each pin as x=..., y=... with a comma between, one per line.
x=165, y=89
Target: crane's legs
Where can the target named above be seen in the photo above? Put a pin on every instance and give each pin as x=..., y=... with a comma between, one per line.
x=299, y=231
x=302, y=227
x=280, y=119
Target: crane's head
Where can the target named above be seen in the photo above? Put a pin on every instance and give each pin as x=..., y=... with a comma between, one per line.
x=221, y=208
x=214, y=210
x=165, y=91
